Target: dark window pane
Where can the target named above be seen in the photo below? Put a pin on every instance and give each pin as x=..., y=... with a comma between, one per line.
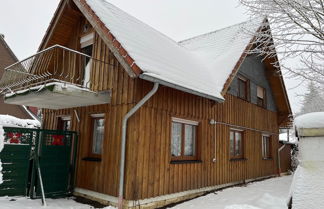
x=176, y=139
x=238, y=144
x=98, y=135
x=232, y=143
x=266, y=147
x=242, y=89
x=63, y=124
x=190, y=135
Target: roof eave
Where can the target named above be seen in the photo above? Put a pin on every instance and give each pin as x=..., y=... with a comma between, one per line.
x=181, y=88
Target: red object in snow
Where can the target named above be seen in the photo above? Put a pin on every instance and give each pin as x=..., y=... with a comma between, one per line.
x=14, y=138
x=58, y=140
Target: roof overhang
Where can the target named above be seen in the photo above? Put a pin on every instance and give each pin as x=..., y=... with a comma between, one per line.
x=57, y=95
x=178, y=87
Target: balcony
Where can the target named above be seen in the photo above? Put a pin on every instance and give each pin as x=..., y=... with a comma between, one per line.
x=55, y=78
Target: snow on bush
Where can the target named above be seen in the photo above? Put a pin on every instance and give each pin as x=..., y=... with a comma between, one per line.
x=11, y=121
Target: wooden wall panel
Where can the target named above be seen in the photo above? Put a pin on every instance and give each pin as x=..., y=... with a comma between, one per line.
x=285, y=158
x=151, y=173
x=148, y=169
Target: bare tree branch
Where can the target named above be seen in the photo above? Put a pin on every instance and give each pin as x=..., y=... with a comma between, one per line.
x=294, y=30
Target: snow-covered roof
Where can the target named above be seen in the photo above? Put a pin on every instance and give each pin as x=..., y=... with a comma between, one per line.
x=222, y=49
x=310, y=124
x=310, y=120
x=200, y=65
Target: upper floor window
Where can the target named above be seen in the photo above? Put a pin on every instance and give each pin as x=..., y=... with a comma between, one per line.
x=236, y=144
x=243, y=88
x=64, y=123
x=98, y=130
x=183, y=139
x=261, y=96
x=266, y=147
x=86, y=43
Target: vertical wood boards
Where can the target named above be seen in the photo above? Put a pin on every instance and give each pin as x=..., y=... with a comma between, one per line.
x=149, y=172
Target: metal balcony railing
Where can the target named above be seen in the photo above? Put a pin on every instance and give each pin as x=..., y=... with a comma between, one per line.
x=54, y=64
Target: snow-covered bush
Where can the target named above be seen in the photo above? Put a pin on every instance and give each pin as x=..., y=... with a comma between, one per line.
x=11, y=121
x=294, y=158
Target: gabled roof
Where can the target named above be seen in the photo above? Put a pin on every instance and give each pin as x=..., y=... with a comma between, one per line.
x=200, y=65
x=224, y=49
x=204, y=65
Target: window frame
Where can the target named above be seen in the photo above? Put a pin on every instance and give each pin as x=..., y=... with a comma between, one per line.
x=241, y=156
x=247, y=88
x=266, y=156
x=61, y=119
x=264, y=99
x=182, y=157
x=94, y=117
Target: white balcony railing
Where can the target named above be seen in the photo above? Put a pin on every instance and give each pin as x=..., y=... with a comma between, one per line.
x=56, y=63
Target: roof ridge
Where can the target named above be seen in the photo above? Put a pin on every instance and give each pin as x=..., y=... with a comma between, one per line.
x=215, y=31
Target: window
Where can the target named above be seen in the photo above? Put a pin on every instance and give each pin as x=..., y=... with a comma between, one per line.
x=64, y=123
x=86, y=43
x=243, y=88
x=183, y=139
x=236, y=144
x=266, y=147
x=98, y=130
x=261, y=96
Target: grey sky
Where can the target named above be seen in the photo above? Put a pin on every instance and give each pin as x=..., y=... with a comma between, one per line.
x=24, y=23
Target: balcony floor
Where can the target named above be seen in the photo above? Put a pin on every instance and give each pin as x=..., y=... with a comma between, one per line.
x=57, y=95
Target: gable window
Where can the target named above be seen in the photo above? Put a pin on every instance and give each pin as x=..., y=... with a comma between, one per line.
x=236, y=144
x=183, y=139
x=243, y=88
x=266, y=147
x=64, y=123
x=98, y=130
x=86, y=43
x=261, y=96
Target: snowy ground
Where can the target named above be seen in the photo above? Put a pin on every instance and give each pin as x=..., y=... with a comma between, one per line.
x=268, y=194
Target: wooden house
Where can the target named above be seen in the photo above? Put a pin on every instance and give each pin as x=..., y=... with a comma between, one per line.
x=158, y=121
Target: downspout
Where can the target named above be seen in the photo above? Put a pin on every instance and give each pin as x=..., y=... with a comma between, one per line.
x=279, y=164
x=123, y=142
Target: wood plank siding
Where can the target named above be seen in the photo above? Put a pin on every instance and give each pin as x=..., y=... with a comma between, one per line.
x=285, y=158
x=149, y=172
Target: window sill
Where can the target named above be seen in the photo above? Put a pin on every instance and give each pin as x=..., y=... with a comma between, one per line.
x=246, y=100
x=92, y=159
x=237, y=159
x=184, y=161
x=268, y=158
x=263, y=107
